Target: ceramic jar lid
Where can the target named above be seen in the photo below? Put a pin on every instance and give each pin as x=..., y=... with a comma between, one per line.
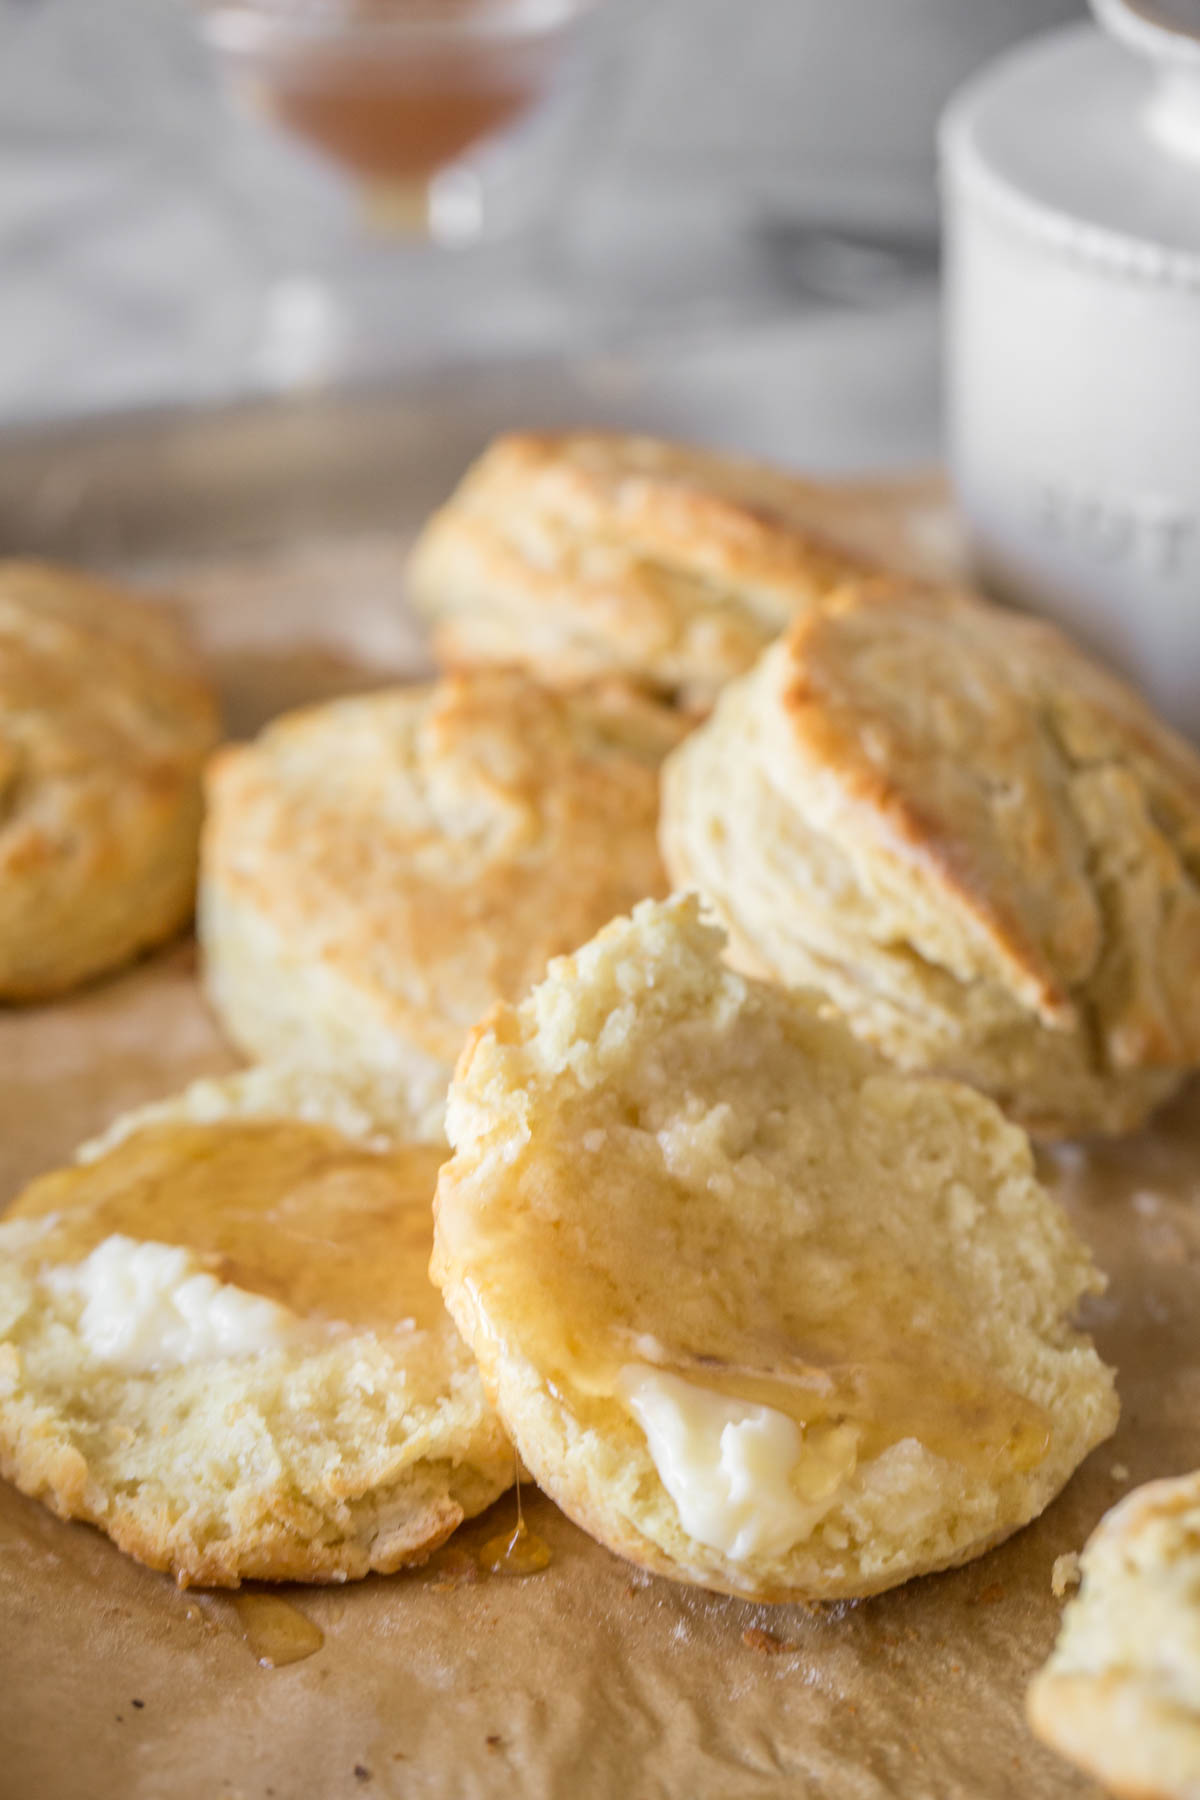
x=1071, y=203
x=1091, y=132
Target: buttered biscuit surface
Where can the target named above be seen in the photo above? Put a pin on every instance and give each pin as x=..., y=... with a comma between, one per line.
x=105, y=721
x=759, y=1313
x=220, y=1343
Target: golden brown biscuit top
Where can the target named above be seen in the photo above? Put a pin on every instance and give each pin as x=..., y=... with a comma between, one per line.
x=980, y=752
x=95, y=689
x=711, y=512
x=670, y=564
x=438, y=844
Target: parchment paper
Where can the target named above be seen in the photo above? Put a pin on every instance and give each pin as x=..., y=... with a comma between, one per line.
x=588, y=1679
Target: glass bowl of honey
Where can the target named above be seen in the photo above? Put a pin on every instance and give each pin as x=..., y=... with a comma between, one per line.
x=456, y=120
x=444, y=150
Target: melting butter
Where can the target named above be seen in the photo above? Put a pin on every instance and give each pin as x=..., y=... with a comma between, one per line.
x=294, y=1212
x=743, y=1477
x=152, y=1306
x=929, y=1389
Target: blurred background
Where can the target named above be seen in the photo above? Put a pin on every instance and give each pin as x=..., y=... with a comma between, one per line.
x=724, y=211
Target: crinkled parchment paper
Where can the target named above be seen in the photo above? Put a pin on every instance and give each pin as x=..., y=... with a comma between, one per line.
x=588, y=1679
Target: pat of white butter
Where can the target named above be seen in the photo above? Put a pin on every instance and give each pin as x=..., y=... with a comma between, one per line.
x=741, y=1475
x=153, y=1306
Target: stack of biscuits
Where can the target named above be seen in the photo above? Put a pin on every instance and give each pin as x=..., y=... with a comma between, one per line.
x=645, y=1021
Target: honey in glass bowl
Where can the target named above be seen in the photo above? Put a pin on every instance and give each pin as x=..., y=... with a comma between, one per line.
x=393, y=90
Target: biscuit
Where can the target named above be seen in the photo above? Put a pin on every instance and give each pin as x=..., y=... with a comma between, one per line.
x=219, y=1342
x=105, y=721
x=377, y=872
x=1120, y=1696
x=759, y=1312
x=590, y=555
x=981, y=846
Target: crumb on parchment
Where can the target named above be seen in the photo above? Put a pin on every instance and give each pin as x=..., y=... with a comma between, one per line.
x=1065, y=1574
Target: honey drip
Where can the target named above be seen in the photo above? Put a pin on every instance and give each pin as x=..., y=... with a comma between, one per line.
x=276, y=1632
x=330, y=1228
x=516, y=1552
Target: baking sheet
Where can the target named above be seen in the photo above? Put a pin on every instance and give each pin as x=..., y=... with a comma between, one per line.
x=280, y=533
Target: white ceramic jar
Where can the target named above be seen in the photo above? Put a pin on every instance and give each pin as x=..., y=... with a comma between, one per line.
x=1071, y=198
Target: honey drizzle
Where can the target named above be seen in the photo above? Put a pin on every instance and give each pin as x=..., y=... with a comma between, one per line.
x=857, y=1359
x=950, y=1405
x=276, y=1632
x=332, y=1229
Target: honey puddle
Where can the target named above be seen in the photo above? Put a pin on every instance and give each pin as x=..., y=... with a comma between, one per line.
x=515, y=1552
x=276, y=1632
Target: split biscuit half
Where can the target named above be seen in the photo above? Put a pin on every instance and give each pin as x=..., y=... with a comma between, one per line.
x=220, y=1344
x=760, y=1313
